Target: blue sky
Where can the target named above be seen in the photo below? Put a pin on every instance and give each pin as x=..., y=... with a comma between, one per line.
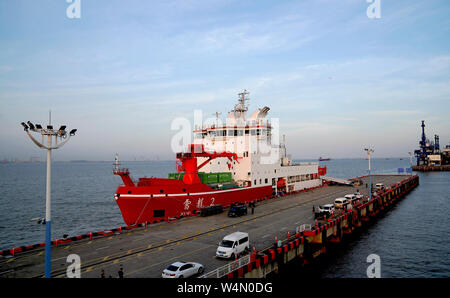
x=337, y=80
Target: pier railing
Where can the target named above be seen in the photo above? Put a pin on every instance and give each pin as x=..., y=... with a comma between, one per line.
x=228, y=268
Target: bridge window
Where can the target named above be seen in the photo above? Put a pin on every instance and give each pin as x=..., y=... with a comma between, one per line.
x=221, y=133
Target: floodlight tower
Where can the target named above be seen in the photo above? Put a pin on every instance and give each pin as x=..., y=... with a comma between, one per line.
x=410, y=160
x=369, y=152
x=50, y=133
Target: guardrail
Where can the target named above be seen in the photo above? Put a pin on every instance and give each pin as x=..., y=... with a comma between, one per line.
x=228, y=268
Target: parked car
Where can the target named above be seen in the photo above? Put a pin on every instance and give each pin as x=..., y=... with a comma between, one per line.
x=379, y=186
x=341, y=203
x=233, y=245
x=182, y=269
x=350, y=197
x=237, y=210
x=327, y=209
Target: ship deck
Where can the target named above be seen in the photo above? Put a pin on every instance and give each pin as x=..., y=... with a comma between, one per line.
x=146, y=252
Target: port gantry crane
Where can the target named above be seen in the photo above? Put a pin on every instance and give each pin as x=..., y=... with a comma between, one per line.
x=426, y=147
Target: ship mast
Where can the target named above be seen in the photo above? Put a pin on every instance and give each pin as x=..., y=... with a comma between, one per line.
x=241, y=108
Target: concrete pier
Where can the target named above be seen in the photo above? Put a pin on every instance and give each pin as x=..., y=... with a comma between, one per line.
x=147, y=251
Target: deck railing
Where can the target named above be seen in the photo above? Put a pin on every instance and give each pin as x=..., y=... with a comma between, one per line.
x=228, y=268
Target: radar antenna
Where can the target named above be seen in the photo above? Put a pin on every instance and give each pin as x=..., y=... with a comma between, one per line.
x=217, y=118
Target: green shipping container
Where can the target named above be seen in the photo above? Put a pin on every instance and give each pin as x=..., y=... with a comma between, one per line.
x=207, y=178
x=225, y=177
x=211, y=178
x=176, y=176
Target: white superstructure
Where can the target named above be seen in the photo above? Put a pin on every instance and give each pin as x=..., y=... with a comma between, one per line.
x=262, y=158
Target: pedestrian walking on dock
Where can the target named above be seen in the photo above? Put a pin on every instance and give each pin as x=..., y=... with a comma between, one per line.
x=103, y=274
x=253, y=207
x=314, y=211
x=120, y=272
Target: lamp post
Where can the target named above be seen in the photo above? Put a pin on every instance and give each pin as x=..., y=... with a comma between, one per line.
x=410, y=161
x=369, y=151
x=48, y=132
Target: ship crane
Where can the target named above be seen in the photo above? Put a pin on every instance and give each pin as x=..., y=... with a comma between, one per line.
x=189, y=161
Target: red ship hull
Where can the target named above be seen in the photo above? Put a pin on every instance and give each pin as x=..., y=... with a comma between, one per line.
x=143, y=204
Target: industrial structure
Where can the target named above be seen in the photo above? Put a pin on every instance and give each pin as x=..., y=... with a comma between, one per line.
x=430, y=156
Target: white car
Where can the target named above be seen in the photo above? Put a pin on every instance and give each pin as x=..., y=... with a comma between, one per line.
x=182, y=269
x=350, y=197
x=328, y=208
x=379, y=186
x=341, y=203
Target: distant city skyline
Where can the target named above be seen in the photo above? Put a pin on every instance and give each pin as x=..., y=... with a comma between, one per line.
x=338, y=80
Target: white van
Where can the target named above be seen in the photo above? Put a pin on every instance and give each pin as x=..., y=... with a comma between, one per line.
x=340, y=202
x=232, y=245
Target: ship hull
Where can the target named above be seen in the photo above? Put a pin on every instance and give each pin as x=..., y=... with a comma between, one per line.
x=146, y=208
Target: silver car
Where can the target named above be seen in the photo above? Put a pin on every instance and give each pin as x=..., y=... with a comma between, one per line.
x=182, y=270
